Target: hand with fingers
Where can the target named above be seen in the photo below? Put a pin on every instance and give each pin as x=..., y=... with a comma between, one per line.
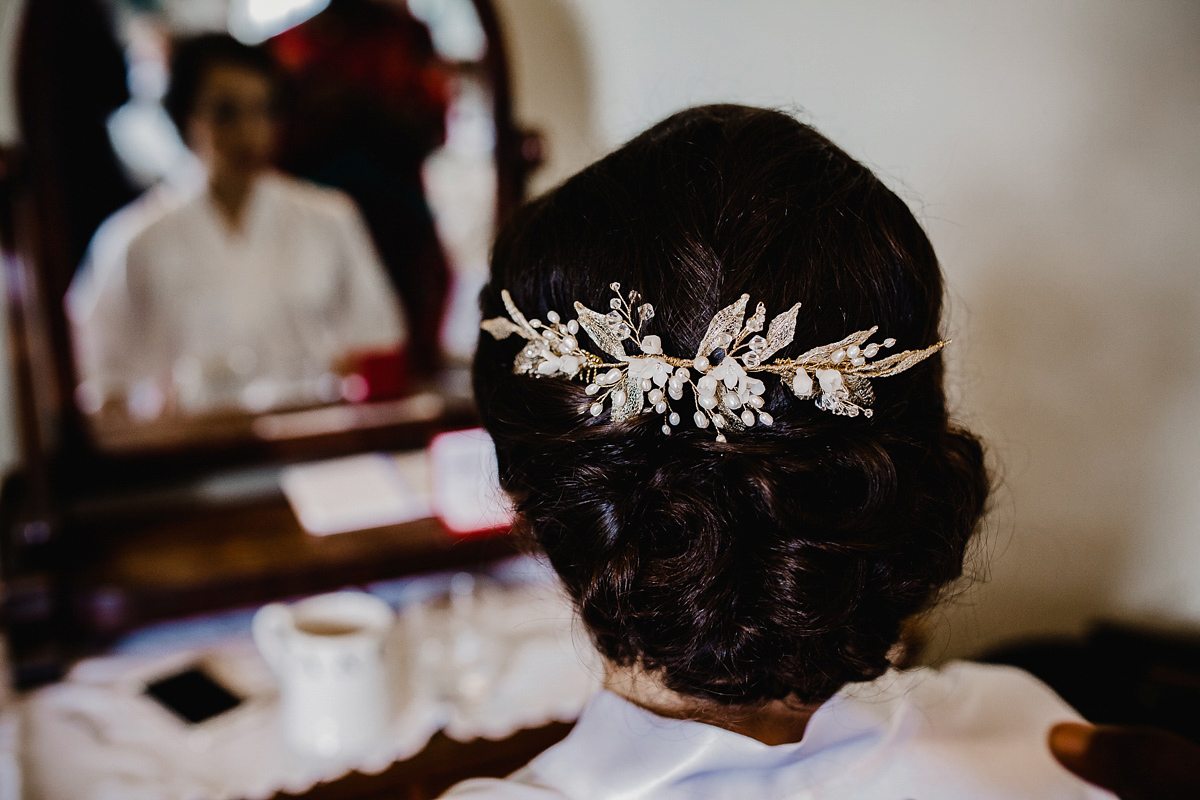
x=1134, y=763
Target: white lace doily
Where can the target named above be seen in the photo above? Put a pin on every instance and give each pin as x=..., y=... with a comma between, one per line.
x=503, y=656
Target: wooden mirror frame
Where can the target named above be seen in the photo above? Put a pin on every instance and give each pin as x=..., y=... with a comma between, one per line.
x=60, y=462
x=50, y=420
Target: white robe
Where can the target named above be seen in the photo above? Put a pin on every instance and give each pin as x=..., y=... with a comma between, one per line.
x=967, y=732
x=171, y=303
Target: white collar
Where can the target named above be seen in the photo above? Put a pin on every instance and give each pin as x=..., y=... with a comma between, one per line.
x=967, y=730
x=265, y=195
x=620, y=750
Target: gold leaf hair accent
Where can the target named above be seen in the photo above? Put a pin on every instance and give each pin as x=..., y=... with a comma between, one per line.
x=724, y=391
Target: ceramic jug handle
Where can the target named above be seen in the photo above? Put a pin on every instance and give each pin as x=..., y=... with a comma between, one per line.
x=270, y=627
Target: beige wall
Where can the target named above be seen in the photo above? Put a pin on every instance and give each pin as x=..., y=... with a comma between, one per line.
x=1051, y=150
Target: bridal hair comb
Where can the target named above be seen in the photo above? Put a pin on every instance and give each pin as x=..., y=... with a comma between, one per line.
x=724, y=391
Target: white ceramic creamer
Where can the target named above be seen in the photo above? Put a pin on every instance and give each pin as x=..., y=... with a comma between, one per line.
x=328, y=653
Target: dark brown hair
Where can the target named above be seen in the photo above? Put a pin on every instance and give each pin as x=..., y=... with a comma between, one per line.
x=192, y=58
x=782, y=563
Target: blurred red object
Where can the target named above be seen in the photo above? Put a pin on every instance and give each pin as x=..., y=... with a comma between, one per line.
x=376, y=375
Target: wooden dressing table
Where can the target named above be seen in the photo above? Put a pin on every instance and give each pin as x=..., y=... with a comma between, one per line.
x=106, y=528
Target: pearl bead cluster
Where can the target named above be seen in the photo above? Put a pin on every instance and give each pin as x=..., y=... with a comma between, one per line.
x=725, y=395
x=553, y=349
x=649, y=381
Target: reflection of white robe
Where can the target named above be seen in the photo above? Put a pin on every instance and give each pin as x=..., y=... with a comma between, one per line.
x=172, y=303
x=968, y=732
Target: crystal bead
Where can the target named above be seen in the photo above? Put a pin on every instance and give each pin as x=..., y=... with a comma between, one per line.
x=723, y=340
x=646, y=311
x=765, y=418
x=666, y=429
x=751, y=359
x=615, y=303
x=573, y=327
x=592, y=388
x=731, y=400
x=838, y=356
x=870, y=350
x=706, y=401
x=889, y=342
x=673, y=419
x=553, y=317
x=852, y=352
x=616, y=287
x=596, y=409
x=701, y=419
x=656, y=396
x=613, y=318
x=623, y=331
x=701, y=364
x=748, y=418
x=660, y=408
x=758, y=344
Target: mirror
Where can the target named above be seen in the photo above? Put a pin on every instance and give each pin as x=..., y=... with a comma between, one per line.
x=317, y=191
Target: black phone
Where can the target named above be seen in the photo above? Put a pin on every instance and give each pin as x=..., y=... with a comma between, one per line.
x=193, y=695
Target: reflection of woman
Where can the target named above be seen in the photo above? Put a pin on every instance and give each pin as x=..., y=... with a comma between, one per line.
x=746, y=578
x=248, y=291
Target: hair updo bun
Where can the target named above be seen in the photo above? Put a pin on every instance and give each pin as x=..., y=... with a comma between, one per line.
x=783, y=562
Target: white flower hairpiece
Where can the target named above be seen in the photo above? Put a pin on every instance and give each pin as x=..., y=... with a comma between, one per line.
x=724, y=392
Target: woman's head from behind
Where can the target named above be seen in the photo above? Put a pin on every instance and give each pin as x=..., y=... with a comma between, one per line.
x=783, y=562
